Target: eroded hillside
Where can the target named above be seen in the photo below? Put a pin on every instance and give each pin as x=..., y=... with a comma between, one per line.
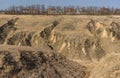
x=87, y=40
x=27, y=62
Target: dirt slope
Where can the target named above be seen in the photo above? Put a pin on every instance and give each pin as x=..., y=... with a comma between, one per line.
x=87, y=40
x=27, y=62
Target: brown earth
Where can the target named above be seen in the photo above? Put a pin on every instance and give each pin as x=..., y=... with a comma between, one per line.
x=26, y=62
x=90, y=44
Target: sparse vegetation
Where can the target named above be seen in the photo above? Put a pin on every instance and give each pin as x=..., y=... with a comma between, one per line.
x=40, y=64
x=65, y=47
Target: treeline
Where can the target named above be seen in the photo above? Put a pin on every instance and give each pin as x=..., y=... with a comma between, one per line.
x=58, y=10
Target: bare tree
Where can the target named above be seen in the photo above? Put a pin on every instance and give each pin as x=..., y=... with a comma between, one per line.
x=70, y=10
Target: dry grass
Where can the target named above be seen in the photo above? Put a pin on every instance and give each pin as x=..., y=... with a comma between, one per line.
x=69, y=39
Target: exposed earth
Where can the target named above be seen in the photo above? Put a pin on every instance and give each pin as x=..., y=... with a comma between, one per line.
x=80, y=46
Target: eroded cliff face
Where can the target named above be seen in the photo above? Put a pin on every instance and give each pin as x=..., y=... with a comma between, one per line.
x=6, y=29
x=65, y=39
x=85, y=40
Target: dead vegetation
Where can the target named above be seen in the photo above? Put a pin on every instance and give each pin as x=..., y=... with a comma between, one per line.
x=88, y=43
x=39, y=64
